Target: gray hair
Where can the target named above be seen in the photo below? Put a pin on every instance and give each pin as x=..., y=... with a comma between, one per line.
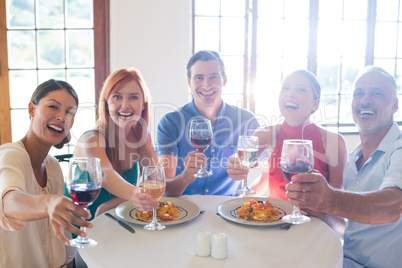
x=383, y=72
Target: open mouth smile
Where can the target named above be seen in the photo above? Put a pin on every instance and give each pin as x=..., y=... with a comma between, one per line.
x=207, y=94
x=55, y=128
x=291, y=105
x=366, y=112
x=125, y=115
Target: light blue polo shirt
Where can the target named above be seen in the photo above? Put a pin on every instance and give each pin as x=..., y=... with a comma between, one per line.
x=173, y=139
x=379, y=245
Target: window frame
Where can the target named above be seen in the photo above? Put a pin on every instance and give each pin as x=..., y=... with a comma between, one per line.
x=250, y=53
x=101, y=9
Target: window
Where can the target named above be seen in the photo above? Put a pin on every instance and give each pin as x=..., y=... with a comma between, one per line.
x=262, y=41
x=220, y=26
x=52, y=39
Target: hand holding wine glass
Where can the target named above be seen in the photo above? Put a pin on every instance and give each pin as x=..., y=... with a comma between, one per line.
x=201, y=137
x=154, y=184
x=297, y=158
x=247, y=148
x=84, y=183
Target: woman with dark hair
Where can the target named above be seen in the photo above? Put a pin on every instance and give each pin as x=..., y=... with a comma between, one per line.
x=35, y=217
x=298, y=99
x=121, y=140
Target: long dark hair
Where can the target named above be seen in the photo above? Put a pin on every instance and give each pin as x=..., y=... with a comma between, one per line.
x=52, y=85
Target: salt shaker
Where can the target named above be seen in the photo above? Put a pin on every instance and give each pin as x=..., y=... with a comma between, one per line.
x=203, y=246
x=219, y=246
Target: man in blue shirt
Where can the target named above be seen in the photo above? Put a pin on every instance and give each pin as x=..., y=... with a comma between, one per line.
x=206, y=77
x=372, y=202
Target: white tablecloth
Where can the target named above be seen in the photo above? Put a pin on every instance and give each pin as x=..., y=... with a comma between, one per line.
x=308, y=245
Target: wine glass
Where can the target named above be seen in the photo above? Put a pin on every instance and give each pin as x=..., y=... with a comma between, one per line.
x=154, y=184
x=84, y=183
x=201, y=137
x=247, y=147
x=297, y=158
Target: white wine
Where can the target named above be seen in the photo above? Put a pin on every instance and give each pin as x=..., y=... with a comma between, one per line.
x=155, y=189
x=248, y=157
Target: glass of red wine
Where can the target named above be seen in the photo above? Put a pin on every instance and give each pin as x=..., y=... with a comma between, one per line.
x=297, y=158
x=247, y=147
x=84, y=183
x=201, y=137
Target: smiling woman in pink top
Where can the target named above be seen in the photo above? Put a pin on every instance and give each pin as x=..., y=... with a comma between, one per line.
x=298, y=99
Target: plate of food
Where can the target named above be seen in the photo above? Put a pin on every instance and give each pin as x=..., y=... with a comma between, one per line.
x=170, y=211
x=258, y=211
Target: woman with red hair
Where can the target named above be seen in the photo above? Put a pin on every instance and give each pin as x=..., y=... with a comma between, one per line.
x=121, y=140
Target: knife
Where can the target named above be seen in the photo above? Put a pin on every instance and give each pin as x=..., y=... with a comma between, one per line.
x=285, y=226
x=123, y=224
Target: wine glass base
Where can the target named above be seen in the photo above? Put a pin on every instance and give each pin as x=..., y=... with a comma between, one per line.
x=298, y=219
x=151, y=227
x=203, y=174
x=245, y=191
x=154, y=226
x=83, y=244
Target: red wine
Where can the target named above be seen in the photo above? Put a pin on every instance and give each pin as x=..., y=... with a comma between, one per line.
x=84, y=193
x=201, y=142
x=297, y=168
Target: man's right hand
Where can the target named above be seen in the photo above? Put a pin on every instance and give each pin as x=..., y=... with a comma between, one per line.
x=193, y=162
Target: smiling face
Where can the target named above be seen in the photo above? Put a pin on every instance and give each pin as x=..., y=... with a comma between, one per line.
x=206, y=83
x=53, y=116
x=374, y=103
x=125, y=106
x=296, y=99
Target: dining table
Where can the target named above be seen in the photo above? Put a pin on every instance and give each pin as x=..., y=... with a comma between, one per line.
x=313, y=244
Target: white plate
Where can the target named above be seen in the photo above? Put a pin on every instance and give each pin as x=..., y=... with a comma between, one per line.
x=187, y=211
x=228, y=209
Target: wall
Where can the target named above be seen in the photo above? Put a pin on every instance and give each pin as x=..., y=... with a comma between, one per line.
x=153, y=36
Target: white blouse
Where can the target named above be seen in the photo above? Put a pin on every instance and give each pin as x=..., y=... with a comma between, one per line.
x=33, y=243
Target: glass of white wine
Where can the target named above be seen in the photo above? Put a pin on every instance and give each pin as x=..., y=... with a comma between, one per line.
x=154, y=184
x=247, y=148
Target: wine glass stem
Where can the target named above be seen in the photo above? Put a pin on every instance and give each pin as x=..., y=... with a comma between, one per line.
x=245, y=182
x=154, y=220
x=202, y=168
x=296, y=211
x=81, y=239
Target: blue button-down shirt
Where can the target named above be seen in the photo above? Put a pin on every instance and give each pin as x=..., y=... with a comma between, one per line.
x=367, y=245
x=173, y=139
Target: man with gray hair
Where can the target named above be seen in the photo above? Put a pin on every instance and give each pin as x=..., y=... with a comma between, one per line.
x=372, y=200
